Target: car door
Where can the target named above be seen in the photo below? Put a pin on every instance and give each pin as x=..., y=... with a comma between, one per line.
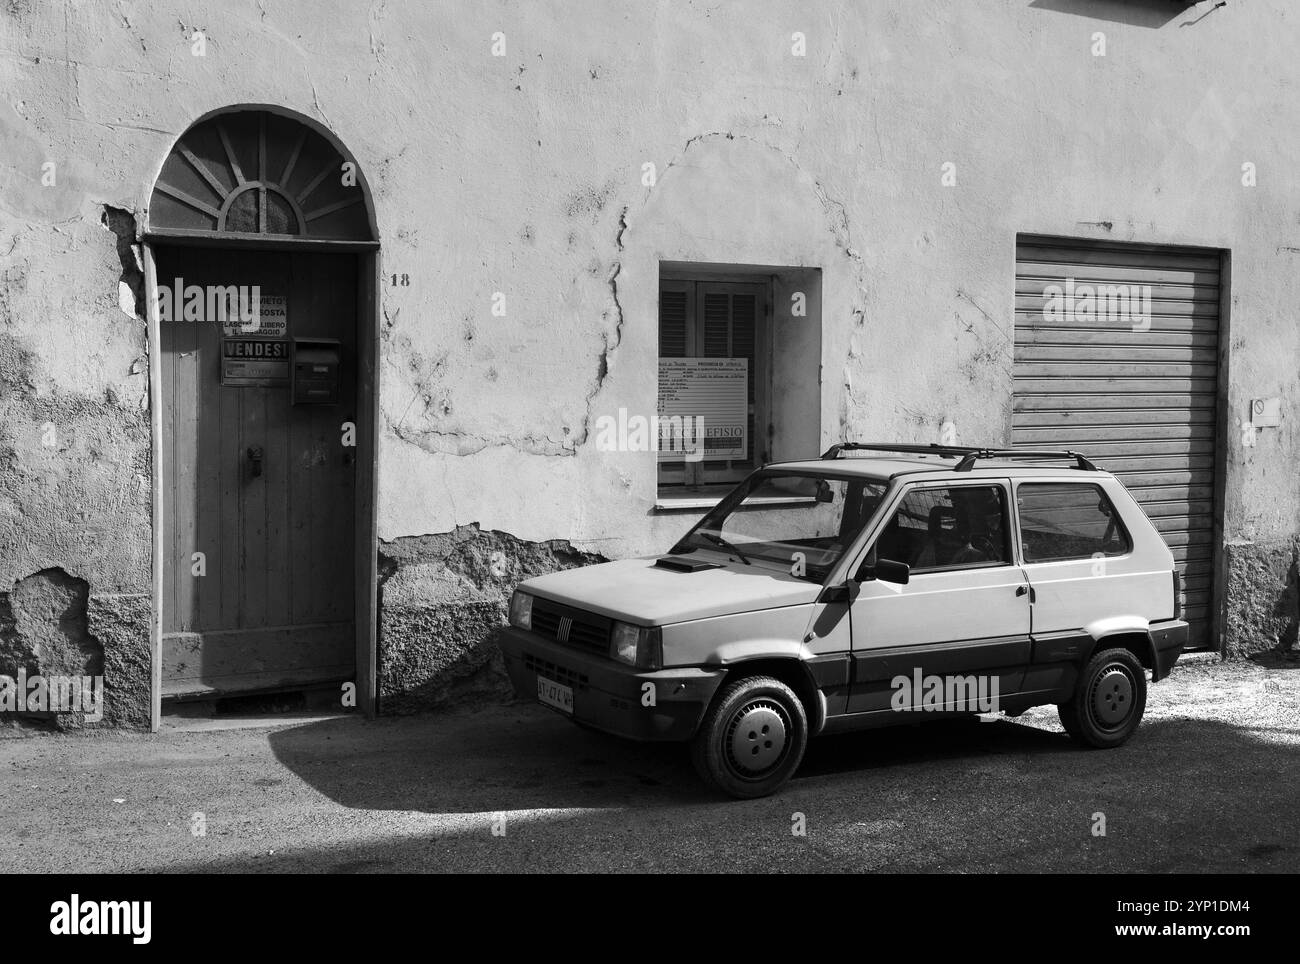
x=1077, y=554
x=961, y=620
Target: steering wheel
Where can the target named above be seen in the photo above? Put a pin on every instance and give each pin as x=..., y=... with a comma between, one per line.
x=984, y=544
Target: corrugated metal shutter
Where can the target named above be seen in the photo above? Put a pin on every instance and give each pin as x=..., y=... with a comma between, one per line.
x=1134, y=389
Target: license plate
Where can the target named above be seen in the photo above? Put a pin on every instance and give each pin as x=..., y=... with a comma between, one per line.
x=555, y=694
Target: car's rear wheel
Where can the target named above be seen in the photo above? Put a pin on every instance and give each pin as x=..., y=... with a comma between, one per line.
x=1108, y=701
x=752, y=739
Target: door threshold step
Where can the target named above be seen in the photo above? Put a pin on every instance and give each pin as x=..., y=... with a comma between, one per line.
x=272, y=721
x=311, y=699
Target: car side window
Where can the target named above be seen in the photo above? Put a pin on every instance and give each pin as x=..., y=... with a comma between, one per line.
x=1060, y=521
x=948, y=528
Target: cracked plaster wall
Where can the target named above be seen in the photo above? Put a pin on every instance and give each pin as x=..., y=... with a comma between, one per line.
x=523, y=175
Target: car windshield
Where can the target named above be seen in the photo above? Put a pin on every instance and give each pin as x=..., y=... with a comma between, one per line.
x=799, y=520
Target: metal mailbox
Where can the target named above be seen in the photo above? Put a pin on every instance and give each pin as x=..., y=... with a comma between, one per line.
x=317, y=367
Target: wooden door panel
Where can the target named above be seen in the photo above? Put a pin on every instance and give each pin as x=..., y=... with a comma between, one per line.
x=228, y=514
x=217, y=662
x=276, y=605
x=185, y=538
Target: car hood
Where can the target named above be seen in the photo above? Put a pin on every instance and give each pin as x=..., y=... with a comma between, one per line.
x=638, y=591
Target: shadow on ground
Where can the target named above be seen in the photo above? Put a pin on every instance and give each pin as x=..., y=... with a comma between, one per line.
x=1184, y=795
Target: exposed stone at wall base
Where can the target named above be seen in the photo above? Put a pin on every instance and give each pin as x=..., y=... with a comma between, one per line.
x=1261, y=600
x=51, y=626
x=442, y=598
x=121, y=623
x=44, y=633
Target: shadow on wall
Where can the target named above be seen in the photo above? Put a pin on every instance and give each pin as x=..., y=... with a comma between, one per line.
x=1286, y=610
x=1137, y=13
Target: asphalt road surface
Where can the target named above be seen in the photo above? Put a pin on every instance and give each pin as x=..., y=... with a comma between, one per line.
x=1211, y=782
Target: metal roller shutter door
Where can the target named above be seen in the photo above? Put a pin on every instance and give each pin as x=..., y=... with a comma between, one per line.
x=1140, y=400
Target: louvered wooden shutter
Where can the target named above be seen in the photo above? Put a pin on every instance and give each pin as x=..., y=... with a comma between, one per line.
x=676, y=340
x=674, y=330
x=730, y=330
x=699, y=319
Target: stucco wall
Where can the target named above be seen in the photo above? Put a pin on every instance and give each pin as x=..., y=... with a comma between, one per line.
x=523, y=175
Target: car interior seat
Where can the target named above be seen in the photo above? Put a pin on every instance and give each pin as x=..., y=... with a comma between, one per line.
x=943, y=538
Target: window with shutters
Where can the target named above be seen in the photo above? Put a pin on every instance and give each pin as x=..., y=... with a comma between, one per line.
x=718, y=320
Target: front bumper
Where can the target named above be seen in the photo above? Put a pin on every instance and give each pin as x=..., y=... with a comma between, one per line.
x=608, y=695
x=1169, y=639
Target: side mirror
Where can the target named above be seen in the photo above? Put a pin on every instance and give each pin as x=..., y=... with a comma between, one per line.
x=887, y=570
x=835, y=594
x=824, y=493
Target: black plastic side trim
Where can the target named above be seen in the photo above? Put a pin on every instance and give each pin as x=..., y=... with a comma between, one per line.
x=1054, y=647
x=830, y=671
x=943, y=658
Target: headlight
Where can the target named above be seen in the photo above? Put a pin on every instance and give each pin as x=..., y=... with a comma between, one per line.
x=635, y=645
x=521, y=610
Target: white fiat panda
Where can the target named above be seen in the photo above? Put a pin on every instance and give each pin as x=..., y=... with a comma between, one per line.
x=836, y=594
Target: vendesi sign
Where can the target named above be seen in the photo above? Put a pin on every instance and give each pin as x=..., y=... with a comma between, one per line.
x=272, y=319
x=254, y=363
x=715, y=390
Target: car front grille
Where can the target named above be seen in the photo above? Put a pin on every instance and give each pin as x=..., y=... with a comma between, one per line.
x=573, y=627
x=552, y=671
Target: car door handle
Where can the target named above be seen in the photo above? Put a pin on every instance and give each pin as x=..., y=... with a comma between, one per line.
x=1021, y=590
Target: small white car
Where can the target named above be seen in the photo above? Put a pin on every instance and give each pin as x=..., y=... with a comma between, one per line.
x=836, y=594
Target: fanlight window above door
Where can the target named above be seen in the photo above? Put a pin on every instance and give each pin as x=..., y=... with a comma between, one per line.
x=254, y=173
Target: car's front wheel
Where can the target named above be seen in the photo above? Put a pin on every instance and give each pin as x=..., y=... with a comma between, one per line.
x=752, y=739
x=1108, y=702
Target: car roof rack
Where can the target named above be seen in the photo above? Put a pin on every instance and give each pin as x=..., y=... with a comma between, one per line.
x=968, y=455
x=1081, y=462
x=948, y=451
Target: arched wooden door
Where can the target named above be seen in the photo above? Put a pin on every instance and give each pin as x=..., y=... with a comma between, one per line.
x=260, y=233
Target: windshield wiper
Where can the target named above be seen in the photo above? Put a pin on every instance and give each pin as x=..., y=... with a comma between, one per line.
x=718, y=540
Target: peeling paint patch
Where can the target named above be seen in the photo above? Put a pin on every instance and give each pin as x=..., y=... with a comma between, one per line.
x=622, y=228
x=442, y=598
x=44, y=631
x=589, y=201
x=131, y=282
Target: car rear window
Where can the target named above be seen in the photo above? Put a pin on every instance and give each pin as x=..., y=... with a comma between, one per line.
x=1068, y=520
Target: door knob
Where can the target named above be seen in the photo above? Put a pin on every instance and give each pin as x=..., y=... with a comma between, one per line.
x=255, y=459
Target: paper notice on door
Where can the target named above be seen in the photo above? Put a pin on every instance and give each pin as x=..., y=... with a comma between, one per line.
x=708, y=394
x=270, y=320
